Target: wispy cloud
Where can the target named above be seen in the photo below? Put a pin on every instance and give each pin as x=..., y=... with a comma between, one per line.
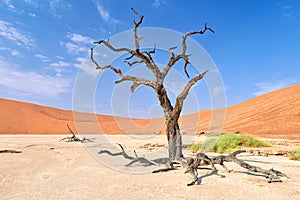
x=60, y=64
x=58, y=7
x=32, y=14
x=10, y=32
x=78, y=43
x=42, y=57
x=74, y=48
x=265, y=87
x=159, y=3
x=286, y=10
x=31, y=83
x=79, y=38
x=105, y=15
x=9, y=5
x=13, y=52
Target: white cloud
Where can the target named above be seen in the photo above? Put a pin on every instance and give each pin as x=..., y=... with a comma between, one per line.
x=57, y=7
x=9, y=5
x=80, y=59
x=31, y=83
x=265, y=87
x=12, y=52
x=79, y=38
x=32, y=14
x=105, y=15
x=9, y=32
x=60, y=64
x=74, y=48
x=15, y=53
x=42, y=57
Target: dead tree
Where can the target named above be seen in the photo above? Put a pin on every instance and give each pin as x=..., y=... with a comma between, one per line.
x=171, y=112
x=74, y=138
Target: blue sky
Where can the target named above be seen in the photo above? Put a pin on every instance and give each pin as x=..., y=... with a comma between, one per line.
x=43, y=44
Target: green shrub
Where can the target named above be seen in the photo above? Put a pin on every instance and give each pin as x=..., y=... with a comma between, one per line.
x=195, y=147
x=295, y=155
x=228, y=143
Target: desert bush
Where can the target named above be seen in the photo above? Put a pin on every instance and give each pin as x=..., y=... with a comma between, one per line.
x=195, y=147
x=229, y=143
x=295, y=155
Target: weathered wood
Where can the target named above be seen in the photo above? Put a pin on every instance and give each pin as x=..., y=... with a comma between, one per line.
x=140, y=160
x=10, y=151
x=271, y=174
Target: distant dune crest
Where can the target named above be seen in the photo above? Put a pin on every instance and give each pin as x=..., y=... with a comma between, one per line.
x=276, y=114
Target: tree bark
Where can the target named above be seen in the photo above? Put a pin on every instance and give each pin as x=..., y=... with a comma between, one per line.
x=174, y=141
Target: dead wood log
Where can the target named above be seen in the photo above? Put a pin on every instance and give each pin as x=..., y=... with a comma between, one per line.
x=10, y=151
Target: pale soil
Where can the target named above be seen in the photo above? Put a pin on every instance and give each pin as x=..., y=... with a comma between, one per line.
x=48, y=169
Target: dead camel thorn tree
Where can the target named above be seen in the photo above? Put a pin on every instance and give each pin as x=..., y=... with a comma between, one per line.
x=171, y=112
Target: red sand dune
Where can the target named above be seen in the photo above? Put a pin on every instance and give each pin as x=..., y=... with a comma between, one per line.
x=276, y=114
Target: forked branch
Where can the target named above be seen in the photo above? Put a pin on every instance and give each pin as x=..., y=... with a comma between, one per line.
x=136, y=81
x=174, y=59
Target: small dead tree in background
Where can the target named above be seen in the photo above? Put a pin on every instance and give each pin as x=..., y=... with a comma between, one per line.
x=171, y=112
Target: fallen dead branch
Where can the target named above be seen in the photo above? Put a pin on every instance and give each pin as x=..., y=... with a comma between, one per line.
x=10, y=151
x=271, y=174
x=136, y=159
x=193, y=164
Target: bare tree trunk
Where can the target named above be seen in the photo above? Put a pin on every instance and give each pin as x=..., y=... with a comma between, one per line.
x=174, y=141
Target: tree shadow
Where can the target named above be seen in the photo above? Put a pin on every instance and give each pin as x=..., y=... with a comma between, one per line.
x=200, y=178
x=251, y=174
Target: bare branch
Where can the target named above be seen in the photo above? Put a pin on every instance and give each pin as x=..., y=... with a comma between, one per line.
x=193, y=33
x=128, y=58
x=173, y=60
x=188, y=86
x=181, y=97
x=136, y=25
x=117, y=71
x=171, y=51
x=134, y=62
x=107, y=44
x=136, y=82
x=186, y=59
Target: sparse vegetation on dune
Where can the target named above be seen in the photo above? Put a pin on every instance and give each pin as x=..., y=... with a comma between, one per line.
x=228, y=143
